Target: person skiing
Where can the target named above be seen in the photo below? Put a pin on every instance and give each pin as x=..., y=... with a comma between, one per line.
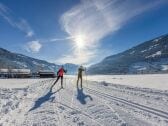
x=60, y=74
x=80, y=70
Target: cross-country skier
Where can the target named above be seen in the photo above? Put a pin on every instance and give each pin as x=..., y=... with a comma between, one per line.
x=80, y=70
x=60, y=74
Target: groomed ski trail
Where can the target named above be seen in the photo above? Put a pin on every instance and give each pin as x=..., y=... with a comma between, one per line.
x=96, y=104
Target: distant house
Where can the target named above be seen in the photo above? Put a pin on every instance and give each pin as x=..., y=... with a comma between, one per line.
x=4, y=73
x=15, y=73
x=46, y=74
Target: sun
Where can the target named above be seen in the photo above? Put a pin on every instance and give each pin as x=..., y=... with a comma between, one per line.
x=80, y=41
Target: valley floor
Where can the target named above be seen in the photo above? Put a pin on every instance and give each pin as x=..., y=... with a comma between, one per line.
x=97, y=104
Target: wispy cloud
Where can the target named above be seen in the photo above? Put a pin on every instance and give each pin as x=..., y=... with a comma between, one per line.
x=60, y=39
x=20, y=23
x=95, y=19
x=15, y=22
x=33, y=46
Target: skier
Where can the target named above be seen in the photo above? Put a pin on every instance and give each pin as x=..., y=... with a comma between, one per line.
x=80, y=70
x=60, y=74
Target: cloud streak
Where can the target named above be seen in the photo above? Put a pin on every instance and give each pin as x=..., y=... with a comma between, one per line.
x=60, y=39
x=95, y=19
x=18, y=23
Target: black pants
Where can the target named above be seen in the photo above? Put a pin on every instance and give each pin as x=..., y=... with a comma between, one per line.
x=58, y=79
x=79, y=77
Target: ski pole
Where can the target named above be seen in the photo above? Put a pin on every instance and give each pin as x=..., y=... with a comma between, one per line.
x=86, y=78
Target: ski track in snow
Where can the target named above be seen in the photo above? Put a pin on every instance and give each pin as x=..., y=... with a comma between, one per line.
x=130, y=104
x=97, y=104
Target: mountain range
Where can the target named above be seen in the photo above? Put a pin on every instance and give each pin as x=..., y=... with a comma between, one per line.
x=10, y=60
x=148, y=57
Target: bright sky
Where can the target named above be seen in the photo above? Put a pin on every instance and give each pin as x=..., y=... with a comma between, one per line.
x=79, y=31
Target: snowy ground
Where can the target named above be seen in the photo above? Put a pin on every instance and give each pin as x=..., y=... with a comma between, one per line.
x=97, y=104
x=157, y=81
x=17, y=83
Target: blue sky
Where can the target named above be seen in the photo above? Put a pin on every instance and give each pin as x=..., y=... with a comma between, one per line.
x=79, y=31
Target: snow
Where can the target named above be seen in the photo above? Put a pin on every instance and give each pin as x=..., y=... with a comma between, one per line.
x=20, y=64
x=41, y=103
x=21, y=55
x=43, y=65
x=156, y=45
x=158, y=53
x=17, y=83
x=139, y=67
x=144, y=51
x=142, y=68
x=148, y=67
x=132, y=52
x=34, y=62
x=156, y=40
x=152, y=46
x=164, y=67
x=157, y=81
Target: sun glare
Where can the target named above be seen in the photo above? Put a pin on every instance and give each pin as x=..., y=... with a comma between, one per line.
x=80, y=41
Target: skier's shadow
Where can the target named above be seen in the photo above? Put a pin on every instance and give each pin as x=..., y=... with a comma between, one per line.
x=81, y=97
x=48, y=96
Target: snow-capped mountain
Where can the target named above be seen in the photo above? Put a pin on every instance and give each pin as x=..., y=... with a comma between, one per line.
x=148, y=57
x=13, y=60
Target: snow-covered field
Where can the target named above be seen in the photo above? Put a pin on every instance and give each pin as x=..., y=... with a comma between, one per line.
x=104, y=101
x=157, y=81
x=17, y=83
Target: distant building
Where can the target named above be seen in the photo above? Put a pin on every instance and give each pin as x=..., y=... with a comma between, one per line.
x=15, y=73
x=46, y=74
